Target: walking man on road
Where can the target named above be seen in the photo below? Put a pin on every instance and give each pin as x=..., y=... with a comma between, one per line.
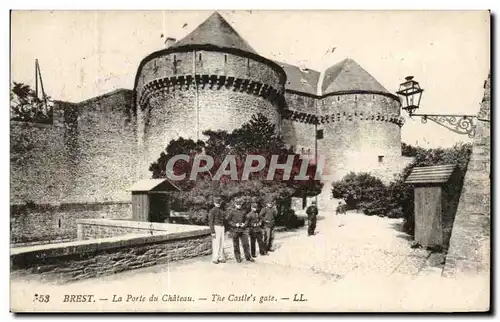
x=255, y=224
x=239, y=231
x=268, y=215
x=312, y=213
x=216, y=222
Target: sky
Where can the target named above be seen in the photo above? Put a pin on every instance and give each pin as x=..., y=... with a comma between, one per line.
x=83, y=54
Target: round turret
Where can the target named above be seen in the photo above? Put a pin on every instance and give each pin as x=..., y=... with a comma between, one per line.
x=211, y=79
x=361, y=121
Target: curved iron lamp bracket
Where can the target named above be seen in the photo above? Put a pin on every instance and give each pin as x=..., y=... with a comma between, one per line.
x=461, y=124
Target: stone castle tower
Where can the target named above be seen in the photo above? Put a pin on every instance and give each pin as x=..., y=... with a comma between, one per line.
x=213, y=79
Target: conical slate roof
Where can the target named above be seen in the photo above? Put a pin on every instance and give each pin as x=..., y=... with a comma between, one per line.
x=349, y=76
x=217, y=32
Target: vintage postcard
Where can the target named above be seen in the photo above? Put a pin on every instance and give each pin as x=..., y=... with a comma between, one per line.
x=250, y=161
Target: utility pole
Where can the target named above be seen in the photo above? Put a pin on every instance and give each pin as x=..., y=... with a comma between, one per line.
x=38, y=75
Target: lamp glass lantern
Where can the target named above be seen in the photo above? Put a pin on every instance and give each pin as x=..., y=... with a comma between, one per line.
x=410, y=94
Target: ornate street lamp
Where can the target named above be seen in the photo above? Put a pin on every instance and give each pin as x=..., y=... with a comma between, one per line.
x=410, y=95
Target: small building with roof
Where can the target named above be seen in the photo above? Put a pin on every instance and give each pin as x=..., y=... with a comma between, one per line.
x=434, y=203
x=150, y=201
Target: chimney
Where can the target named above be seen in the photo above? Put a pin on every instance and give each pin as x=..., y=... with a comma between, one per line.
x=169, y=42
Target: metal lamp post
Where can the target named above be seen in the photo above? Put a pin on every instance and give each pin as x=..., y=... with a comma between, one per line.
x=410, y=94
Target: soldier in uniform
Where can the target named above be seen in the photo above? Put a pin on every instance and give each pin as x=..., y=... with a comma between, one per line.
x=268, y=215
x=312, y=213
x=239, y=230
x=216, y=218
x=255, y=226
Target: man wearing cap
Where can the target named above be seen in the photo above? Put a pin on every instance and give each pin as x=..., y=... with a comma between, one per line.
x=312, y=213
x=255, y=226
x=216, y=223
x=239, y=230
x=268, y=215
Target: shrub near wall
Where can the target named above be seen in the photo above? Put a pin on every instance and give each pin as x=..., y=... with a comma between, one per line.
x=396, y=200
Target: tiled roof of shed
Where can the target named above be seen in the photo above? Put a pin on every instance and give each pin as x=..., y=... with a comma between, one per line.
x=300, y=80
x=349, y=76
x=217, y=32
x=432, y=174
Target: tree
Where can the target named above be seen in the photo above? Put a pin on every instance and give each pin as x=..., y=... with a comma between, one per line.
x=256, y=137
x=177, y=147
x=26, y=106
x=408, y=150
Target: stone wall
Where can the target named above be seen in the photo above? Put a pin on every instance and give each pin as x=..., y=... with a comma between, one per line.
x=297, y=134
x=87, y=155
x=103, y=228
x=105, y=164
x=470, y=242
x=79, y=260
x=39, y=157
x=37, y=224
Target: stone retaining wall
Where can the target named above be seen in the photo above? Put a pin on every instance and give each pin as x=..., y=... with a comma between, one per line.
x=40, y=224
x=66, y=262
x=103, y=228
x=470, y=243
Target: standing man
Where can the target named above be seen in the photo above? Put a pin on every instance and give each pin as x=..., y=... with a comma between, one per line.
x=312, y=213
x=216, y=222
x=255, y=224
x=268, y=215
x=239, y=231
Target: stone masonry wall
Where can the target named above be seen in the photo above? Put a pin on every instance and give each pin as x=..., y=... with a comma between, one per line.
x=470, y=242
x=296, y=134
x=39, y=158
x=87, y=155
x=87, y=259
x=173, y=115
x=45, y=223
x=103, y=228
x=105, y=163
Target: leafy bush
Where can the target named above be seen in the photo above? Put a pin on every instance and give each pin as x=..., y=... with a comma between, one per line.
x=396, y=200
x=198, y=217
x=362, y=191
x=26, y=106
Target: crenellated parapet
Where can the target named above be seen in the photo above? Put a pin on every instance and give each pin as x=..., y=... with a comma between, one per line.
x=308, y=118
x=212, y=82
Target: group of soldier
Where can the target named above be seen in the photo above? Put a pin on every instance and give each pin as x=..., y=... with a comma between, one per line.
x=246, y=228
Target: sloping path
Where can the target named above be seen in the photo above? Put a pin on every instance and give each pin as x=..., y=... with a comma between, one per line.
x=354, y=263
